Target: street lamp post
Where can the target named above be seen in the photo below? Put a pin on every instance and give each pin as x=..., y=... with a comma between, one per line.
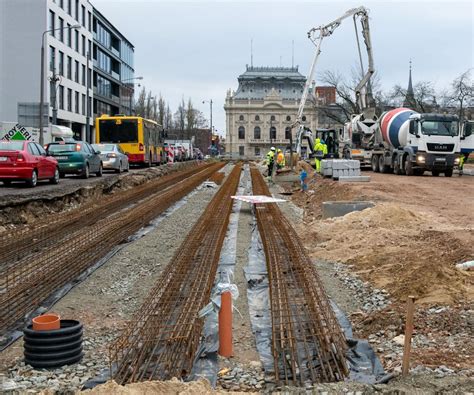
x=42, y=77
x=131, y=91
x=210, y=105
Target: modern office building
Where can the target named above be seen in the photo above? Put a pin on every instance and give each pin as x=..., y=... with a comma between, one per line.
x=79, y=31
x=113, y=68
x=259, y=114
x=23, y=23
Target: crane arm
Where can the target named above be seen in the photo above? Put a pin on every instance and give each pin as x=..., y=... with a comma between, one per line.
x=316, y=35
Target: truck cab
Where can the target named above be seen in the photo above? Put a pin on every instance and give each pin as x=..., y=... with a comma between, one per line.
x=433, y=144
x=467, y=138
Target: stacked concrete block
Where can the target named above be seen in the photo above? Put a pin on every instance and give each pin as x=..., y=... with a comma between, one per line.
x=336, y=168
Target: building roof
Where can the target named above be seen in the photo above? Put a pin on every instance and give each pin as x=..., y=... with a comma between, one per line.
x=259, y=82
x=266, y=73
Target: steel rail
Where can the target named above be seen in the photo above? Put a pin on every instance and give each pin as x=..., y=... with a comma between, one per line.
x=162, y=338
x=308, y=344
x=30, y=280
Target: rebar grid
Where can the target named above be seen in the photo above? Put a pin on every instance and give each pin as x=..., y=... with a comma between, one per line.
x=31, y=279
x=162, y=338
x=307, y=342
x=32, y=238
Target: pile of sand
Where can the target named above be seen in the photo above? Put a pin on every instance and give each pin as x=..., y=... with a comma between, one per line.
x=397, y=250
x=171, y=387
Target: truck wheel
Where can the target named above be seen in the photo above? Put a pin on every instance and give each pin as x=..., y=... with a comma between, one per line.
x=396, y=167
x=382, y=166
x=408, y=166
x=375, y=163
x=435, y=173
x=448, y=172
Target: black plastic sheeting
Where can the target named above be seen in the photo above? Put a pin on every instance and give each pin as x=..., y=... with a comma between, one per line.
x=364, y=366
x=258, y=296
x=13, y=335
x=206, y=363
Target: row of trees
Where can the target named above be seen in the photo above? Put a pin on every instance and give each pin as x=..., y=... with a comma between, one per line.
x=456, y=98
x=154, y=107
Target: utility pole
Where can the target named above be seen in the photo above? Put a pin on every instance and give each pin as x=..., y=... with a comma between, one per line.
x=53, y=79
x=88, y=107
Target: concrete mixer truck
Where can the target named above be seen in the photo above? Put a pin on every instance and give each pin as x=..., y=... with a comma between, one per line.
x=411, y=143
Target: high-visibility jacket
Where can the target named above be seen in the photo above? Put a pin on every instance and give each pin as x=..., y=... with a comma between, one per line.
x=281, y=159
x=270, y=157
x=319, y=149
x=325, y=149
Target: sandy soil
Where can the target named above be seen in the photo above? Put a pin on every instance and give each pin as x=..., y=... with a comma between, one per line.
x=408, y=243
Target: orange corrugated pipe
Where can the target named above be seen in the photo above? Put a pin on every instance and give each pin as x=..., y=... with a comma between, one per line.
x=225, y=325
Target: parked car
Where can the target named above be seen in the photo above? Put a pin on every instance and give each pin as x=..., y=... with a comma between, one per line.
x=113, y=158
x=26, y=161
x=76, y=158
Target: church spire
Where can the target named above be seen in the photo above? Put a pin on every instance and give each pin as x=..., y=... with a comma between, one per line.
x=410, y=96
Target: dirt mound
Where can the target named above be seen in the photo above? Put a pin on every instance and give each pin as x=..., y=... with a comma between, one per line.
x=171, y=387
x=320, y=190
x=399, y=250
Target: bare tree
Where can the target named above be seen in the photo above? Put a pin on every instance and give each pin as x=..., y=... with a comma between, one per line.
x=141, y=103
x=461, y=93
x=161, y=110
x=180, y=116
x=190, y=116
x=168, y=118
x=424, y=96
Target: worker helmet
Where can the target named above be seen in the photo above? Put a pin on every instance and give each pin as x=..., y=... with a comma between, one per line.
x=273, y=148
x=279, y=150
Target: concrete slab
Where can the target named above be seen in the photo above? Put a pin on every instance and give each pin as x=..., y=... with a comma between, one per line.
x=286, y=178
x=339, y=209
x=354, y=178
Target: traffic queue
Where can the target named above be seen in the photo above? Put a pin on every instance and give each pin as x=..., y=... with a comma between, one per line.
x=120, y=142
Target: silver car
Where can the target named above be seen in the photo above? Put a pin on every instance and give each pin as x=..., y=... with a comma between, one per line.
x=113, y=158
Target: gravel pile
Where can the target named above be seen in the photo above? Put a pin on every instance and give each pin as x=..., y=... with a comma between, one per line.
x=371, y=299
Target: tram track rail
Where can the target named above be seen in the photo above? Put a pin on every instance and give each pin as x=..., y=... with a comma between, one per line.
x=28, y=280
x=163, y=336
x=308, y=344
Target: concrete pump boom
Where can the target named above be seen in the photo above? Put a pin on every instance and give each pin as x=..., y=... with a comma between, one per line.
x=316, y=35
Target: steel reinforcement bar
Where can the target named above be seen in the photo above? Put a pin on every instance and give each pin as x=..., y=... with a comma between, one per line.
x=308, y=344
x=25, y=240
x=162, y=338
x=31, y=279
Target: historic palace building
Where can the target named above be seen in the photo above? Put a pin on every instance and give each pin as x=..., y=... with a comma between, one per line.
x=260, y=112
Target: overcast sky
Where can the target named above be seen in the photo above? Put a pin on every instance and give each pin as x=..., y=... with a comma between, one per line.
x=197, y=49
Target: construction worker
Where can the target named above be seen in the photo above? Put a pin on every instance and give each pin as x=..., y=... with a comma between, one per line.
x=461, y=164
x=271, y=162
x=318, y=154
x=325, y=148
x=280, y=160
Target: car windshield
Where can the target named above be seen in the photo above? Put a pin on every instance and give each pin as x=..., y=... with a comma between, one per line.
x=11, y=145
x=62, y=148
x=104, y=147
x=439, y=128
x=118, y=131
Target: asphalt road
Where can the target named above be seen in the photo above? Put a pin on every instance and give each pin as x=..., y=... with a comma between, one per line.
x=44, y=187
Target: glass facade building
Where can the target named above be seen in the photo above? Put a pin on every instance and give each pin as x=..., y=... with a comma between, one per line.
x=113, y=68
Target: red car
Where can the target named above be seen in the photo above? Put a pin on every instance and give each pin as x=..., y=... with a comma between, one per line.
x=26, y=161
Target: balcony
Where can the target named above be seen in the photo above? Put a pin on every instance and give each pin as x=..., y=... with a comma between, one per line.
x=115, y=51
